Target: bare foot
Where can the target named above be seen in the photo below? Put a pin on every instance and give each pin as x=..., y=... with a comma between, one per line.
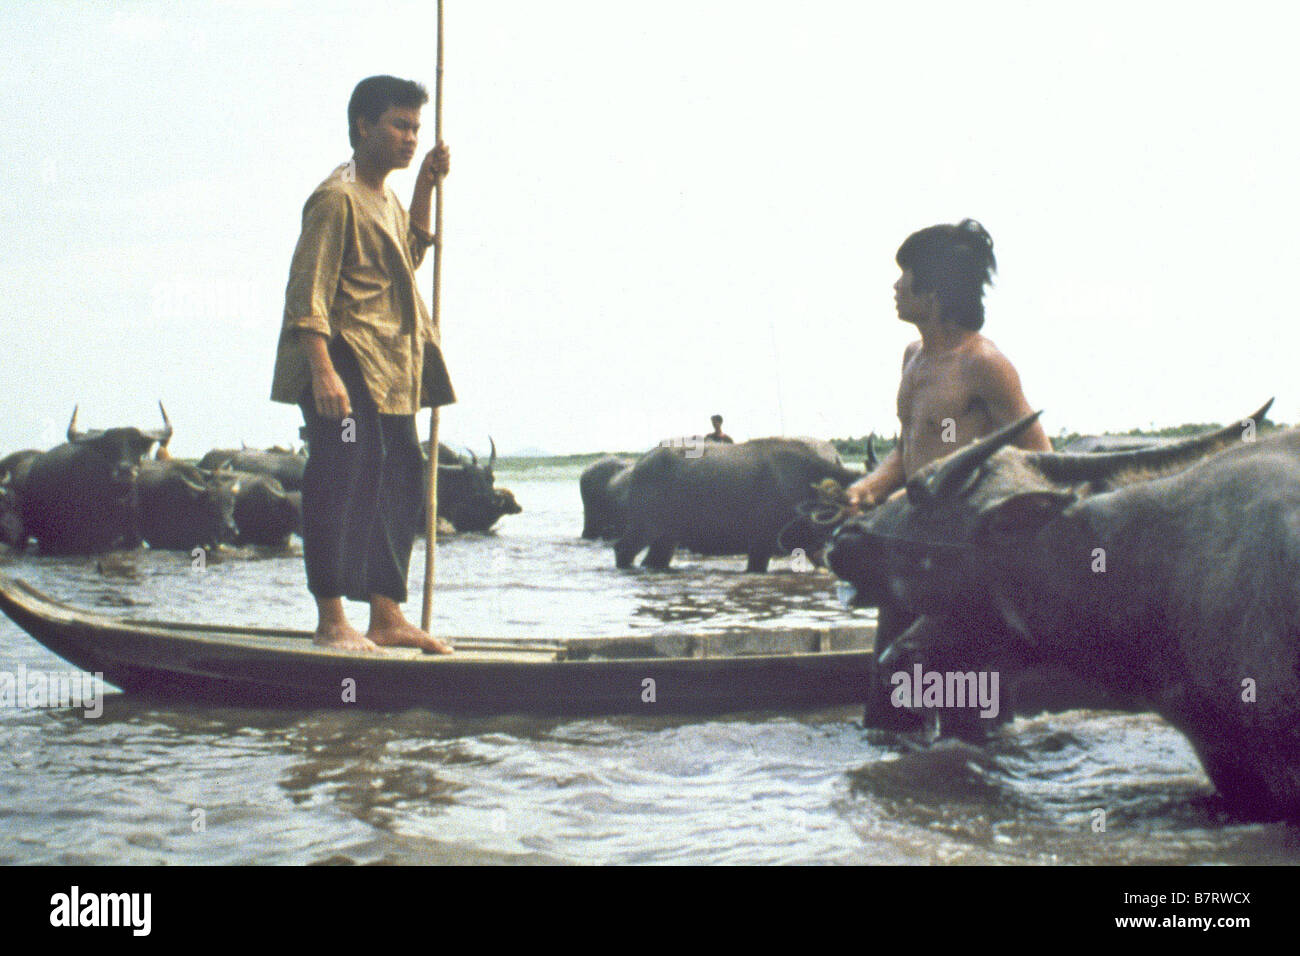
x=342, y=636
x=406, y=634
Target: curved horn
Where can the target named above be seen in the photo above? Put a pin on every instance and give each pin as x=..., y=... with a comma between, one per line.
x=493, y=458
x=166, y=435
x=960, y=465
x=73, y=434
x=473, y=458
x=192, y=484
x=1083, y=467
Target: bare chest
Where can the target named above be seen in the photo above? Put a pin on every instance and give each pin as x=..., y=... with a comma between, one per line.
x=932, y=390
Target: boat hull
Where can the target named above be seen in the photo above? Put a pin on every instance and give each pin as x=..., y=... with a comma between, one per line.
x=689, y=673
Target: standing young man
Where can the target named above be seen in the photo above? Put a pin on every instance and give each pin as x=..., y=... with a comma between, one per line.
x=359, y=354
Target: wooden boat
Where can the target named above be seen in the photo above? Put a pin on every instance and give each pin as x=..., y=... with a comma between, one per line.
x=745, y=669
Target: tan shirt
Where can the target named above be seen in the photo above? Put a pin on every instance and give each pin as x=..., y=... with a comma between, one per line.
x=353, y=274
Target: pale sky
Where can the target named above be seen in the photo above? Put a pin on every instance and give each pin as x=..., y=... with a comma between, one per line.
x=659, y=211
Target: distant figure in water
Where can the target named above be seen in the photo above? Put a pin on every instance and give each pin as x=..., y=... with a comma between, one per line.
x=718, y=434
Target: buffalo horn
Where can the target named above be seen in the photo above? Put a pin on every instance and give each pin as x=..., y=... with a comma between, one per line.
x=1083, y=467
x=960, y=465
x=192, y=484
x=871, y=451
x=493, y=458
x=73, y=434
x=166, y=434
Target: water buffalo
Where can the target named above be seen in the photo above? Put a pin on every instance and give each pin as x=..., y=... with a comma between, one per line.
x=1166, y=573
x=876, y=563
x=603, y=487
x=263, y=513
x=467, y=496
x=727, y=499
x=466, y=493
x=282, y=464
x=181, y=506
x=80, y=497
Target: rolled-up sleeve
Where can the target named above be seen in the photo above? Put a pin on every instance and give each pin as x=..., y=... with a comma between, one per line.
x=317, y=262
x=418, y=242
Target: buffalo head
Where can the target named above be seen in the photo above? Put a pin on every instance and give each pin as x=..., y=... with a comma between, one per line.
x=122, y=448
x=181, y=506
x=939, y=548
x=466, y=493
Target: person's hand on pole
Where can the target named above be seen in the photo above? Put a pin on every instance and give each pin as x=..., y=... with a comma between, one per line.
x=433, y=167
x=436, y=165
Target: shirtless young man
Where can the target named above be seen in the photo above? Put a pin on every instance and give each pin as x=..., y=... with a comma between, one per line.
x=956, y=385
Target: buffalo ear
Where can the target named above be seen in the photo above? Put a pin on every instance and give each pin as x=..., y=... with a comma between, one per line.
x=1023, y=514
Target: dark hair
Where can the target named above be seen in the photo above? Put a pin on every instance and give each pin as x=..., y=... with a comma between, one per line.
x=375, y=94
x=955, y=263
x=715, y=418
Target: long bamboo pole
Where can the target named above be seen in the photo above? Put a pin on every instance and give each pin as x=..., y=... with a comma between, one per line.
x=431, y=526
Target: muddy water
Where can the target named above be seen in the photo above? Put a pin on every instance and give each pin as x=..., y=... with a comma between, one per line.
x=268, y=786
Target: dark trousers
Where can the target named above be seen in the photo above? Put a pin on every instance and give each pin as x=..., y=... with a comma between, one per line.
x=361, y=493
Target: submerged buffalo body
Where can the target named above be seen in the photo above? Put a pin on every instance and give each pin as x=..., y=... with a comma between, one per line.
x=261, y=511
x=181, y=506
x=80, y=497
x=1170, y=574
x=603, y=487
x=283, y=465
x=727, y=499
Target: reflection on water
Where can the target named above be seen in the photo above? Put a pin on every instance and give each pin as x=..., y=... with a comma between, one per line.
x=344, y=786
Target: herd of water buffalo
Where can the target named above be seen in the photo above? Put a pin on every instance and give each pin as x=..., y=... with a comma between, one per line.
x=1166, y=575
x=100, y=491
